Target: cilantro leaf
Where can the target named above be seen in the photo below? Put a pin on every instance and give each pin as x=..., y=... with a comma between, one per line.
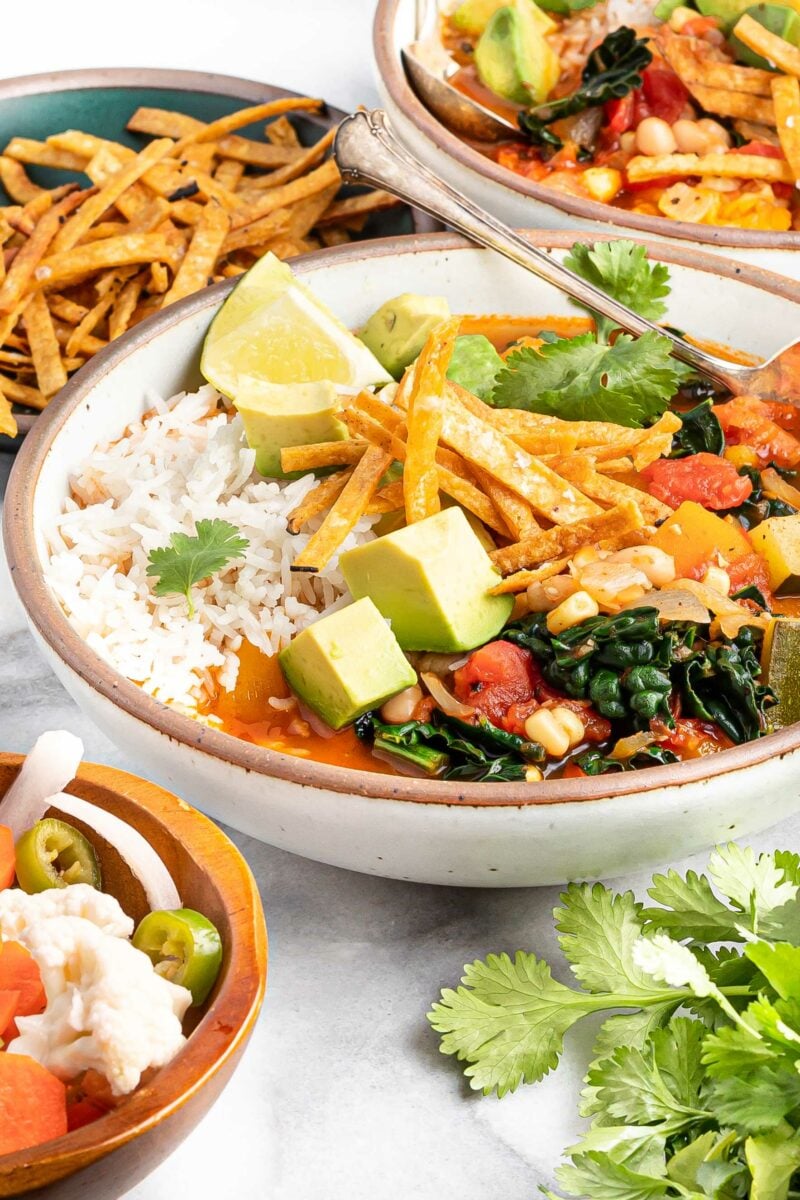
x=772, y=1161
x=757, y=886
x=187, y=560
x=779, y=963
x=691, y=910
x=597, y=933
x=632, y=1029
x=622, y=270
x=578, y=379
x=756, y=1101
x=508, y=1021
x=597, y=1174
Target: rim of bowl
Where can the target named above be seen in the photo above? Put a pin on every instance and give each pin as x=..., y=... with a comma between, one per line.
x=236, y=1005
x=390, y=70
x=54, y=628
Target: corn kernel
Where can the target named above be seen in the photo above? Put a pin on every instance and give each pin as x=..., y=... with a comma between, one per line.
x=533, y=775
x=717, y=579
x=656, y=564
x=741, y=456
x=570, y=722
x=602, y=183
x=543, y=727
x=576, y=608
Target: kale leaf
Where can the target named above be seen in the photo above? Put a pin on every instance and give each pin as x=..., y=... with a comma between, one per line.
x=453, y=749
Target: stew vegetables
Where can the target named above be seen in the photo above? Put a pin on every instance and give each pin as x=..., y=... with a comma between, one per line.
x=692, y=115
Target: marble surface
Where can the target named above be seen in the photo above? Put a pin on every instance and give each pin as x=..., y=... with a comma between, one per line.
x=342, y=1092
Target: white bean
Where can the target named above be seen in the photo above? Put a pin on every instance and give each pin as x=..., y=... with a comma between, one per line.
x=691, y=139
x=400, y=708
x=654, y=137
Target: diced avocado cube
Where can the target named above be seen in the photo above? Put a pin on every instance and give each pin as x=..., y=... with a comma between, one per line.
x=474, y=364
x=277, y=415
x=777, y=540
x=432, y=581
x=512, y=57
x=778, y=19
x=346, y=663
x=397, y=331
x=473, y=16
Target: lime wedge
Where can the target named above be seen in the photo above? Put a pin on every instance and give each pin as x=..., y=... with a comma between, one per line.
x=274, y=329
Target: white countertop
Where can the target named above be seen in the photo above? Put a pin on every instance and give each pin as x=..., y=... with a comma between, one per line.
x=342, y=1094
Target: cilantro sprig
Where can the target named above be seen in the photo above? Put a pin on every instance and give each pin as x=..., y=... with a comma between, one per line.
x=187, y=560
x=695, y=1088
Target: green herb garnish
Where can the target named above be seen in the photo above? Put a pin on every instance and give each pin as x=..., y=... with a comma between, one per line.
x=452, y=749
x=695, y=1088
x=613, y=69
x=187, y=560
x=622, y=270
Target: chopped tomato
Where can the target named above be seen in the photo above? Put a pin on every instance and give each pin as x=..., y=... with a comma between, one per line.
x=694, y=738
x=81, y=1113
x=573, y=771
x=620, y=115
x=784, y=414
x=664, y=94
x=759, y=150
x=7, y=857
x=496, y=676
x=644, y=185
x=705, y=478
x=750, y=572
x=746, y=420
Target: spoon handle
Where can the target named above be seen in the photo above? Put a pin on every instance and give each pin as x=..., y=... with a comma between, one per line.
x=368, y=152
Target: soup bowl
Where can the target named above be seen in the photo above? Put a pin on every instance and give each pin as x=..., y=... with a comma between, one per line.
x=112, y=1154
x=522, y=202
x=482, y=834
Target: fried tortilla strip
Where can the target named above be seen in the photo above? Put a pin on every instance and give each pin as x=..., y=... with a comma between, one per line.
x=306, y=214
x=8, y=424
x=317, y=500
x=688, y=57
x=124, y=305
x=74, y=229
x=76, y=343
x=516, y=512
x=163, y=122
x=522, y=580
x=204, y=247
x=229, y=174
x=303, y=162
x=45, y=351
x=281, y=132
x=425, y=419
x=26, y=219
x=377, y=409
x=345, y=210
x=724, y=103
x=580, y=470
x=59, y=270
x=28, y=260
x=721, y=166
x=776, y=50
x=20, y=393
x=388, y=499
x=282, y=197
x=40, y=154
x=786, y=98
x=316, y=455
x=14, y=179
x=264, y=229
x=348, y=508
x=486, y=447
x=517, y=559
x=248, y=116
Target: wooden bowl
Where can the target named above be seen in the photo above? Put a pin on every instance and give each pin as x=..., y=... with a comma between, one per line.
x=107, y=1158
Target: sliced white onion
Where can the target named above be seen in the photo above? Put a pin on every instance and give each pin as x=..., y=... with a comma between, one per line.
x=677, y=604
x=628, y=746
x=48, y=768
x=445, y=699
x=137, y=853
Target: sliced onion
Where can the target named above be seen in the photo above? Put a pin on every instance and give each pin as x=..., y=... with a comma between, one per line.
x=137, y=853
x=429, y=660
x=445, y=699
x=48, y=768
x=628, y=746
x=675, y=605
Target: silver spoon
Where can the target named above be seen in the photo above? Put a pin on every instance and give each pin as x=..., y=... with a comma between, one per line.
x=368, y=152
x=430, y=68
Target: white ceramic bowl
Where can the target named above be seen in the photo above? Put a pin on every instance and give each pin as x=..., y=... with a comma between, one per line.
x=520, y=202
x=498, y=835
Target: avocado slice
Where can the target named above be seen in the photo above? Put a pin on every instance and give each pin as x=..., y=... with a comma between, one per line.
x=276, y=415
x=473, y=16
x=778, y=19
x=346, y=663
x=474, y=364
x=432, y=582
x=512, y=57
x=398, y=330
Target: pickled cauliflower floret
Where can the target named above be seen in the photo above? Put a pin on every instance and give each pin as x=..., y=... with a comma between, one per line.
x=19, y=911
x=107, y=1009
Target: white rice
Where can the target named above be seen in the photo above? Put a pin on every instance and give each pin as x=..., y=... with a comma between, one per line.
x=186, y=461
